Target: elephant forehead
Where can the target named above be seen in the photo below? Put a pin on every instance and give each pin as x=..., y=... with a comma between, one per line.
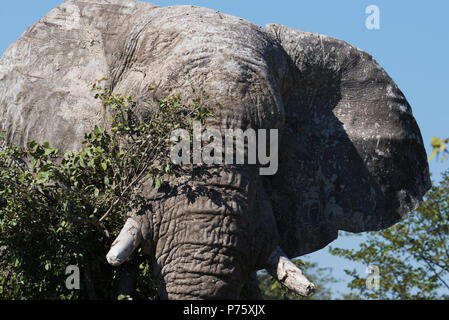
x=174, y=40
x=232, y=59
x=46, y=75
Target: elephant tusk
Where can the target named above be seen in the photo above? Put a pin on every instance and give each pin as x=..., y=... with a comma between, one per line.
x=281, y=268
x=127, y=241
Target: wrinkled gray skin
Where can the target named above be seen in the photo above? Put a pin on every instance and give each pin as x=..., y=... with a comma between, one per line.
x=351, y=154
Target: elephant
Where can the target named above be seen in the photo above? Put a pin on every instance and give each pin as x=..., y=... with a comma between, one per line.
x=351, y=155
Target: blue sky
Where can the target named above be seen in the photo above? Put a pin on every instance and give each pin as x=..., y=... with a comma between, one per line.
x=412, y=45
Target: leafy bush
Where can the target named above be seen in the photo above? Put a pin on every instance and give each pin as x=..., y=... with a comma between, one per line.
x=59, y=210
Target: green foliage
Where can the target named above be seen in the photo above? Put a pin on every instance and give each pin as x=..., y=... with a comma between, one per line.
x=412, y=256
x=59, y=210
x=321, y=277
x=439, y=147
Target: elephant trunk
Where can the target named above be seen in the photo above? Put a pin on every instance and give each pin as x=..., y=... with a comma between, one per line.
x=200, y=254
x=197, y=278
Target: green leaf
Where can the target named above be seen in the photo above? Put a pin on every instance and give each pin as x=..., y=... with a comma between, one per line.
x=33, y=163
x=42, y=177
x=157, y=183
x=49, y=151
x=82, y=163
x=433, y=154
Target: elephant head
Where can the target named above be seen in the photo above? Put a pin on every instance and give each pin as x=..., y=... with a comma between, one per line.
x=351, y=155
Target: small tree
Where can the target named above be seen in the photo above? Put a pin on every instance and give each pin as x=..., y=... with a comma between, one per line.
x=60, y=210
x=412, y=256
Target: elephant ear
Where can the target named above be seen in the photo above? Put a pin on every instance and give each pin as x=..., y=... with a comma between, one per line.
x=352, y=156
